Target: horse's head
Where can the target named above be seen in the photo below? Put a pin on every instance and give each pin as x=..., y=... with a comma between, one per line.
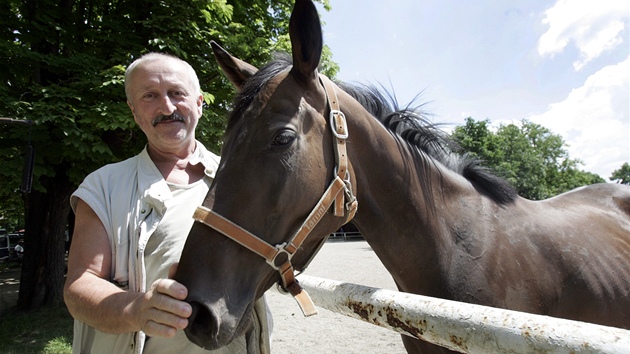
x=279, y=192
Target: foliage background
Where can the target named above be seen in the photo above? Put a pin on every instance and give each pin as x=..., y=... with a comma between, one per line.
x=533, y=159
x=64, y=63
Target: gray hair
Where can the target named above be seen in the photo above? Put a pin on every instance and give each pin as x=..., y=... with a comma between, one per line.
x=153, y=57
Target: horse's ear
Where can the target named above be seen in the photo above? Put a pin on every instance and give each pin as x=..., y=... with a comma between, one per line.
x=236, y=70
x=305, y=31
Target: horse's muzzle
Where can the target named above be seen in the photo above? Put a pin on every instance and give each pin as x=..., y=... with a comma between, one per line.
x=203, y=327
x=211, y=327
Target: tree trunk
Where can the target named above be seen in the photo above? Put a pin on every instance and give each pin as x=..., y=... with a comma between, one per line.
x=43, y=267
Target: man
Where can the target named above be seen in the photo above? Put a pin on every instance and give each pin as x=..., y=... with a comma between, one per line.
x=19, y=249
x=132, y=219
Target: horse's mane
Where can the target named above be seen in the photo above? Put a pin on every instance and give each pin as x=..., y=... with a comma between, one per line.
x=411, y=126
x=408, y=123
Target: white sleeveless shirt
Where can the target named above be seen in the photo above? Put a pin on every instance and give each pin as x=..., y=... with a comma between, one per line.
x=166, y=243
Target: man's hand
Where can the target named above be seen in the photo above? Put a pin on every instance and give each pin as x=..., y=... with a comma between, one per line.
x=93, y=299
x=161, y=311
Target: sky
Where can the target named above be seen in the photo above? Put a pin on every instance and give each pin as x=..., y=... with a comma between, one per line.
x=562, y=64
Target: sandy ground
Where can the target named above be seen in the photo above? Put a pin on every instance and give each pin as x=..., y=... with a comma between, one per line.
x=328, y=332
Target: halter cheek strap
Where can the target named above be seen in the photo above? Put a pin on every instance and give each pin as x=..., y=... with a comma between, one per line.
x=345, y=204
x=339, y=129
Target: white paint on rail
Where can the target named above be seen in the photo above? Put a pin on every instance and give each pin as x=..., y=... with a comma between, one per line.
x=464, y=327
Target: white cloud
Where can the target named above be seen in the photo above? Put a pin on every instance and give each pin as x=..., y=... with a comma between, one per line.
x=593, y=26
x=594, y=119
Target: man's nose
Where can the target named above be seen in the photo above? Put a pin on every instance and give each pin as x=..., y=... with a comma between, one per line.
x=167, y=106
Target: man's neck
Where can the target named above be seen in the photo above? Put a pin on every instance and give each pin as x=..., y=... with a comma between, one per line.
x=175, y=165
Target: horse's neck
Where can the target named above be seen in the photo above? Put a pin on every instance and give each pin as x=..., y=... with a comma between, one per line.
x=404, y=230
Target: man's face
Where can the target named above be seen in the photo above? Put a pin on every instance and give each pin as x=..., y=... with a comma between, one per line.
x=165, y=104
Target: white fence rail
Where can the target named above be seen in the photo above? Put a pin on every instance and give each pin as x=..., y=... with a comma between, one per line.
x=463, y=327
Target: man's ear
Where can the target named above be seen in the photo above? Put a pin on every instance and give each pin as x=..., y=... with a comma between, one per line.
x=200, y=104
x=133, y=112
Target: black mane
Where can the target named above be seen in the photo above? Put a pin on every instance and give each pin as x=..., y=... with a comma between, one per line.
x=408, y=123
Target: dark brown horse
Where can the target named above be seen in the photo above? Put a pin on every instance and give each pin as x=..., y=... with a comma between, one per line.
x=442, y=225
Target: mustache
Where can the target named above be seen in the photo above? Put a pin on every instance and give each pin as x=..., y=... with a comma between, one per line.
x=173, y=117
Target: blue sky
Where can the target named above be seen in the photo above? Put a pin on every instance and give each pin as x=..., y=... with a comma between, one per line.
x=562, y=64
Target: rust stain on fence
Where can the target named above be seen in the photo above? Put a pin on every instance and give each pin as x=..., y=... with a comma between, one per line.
x=392, y=318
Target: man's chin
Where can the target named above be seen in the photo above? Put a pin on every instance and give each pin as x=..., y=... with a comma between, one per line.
x=167, y=139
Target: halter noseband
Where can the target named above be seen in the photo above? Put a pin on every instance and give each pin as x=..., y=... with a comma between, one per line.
x=279, y=256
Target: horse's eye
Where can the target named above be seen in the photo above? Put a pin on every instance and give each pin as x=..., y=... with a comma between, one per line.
x=283, y=138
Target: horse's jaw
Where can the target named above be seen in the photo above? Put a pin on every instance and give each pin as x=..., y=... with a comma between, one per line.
x=212, y=325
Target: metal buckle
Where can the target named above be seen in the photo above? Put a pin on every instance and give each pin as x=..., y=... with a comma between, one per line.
x=281, y=250
x=350, y=198
x=333, y=124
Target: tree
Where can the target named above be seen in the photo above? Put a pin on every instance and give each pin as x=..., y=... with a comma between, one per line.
x=622, y=175
x=64, y=63
x=528, y=155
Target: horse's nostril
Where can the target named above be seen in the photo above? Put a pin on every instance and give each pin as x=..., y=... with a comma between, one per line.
x=202, y=325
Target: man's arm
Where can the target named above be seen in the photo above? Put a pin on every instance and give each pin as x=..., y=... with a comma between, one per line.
x=93, y=299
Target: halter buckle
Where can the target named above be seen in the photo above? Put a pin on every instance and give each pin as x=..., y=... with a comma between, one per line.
x=342, y=132
x=350, y=197
x=347, y=188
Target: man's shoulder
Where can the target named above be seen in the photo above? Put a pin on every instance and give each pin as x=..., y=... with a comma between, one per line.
x=207, y=153
x=209, y=159
x=116, y=173
x=128, y=166
x=96, y=189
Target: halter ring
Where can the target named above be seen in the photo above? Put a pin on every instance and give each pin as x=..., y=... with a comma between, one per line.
x=281, y=250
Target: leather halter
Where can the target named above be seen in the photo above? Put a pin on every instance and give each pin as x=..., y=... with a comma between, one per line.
x=345, y=204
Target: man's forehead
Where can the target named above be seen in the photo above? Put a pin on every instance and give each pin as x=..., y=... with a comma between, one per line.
x=157, y=73
x=162, y=66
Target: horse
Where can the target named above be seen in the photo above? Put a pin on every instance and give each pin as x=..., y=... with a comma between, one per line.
x=303, y=156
